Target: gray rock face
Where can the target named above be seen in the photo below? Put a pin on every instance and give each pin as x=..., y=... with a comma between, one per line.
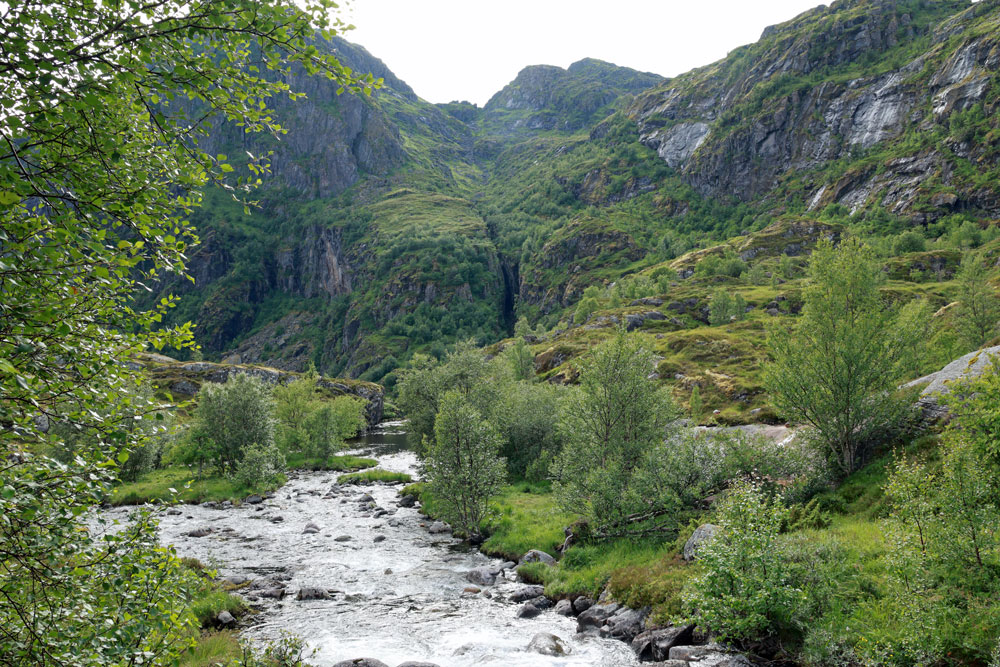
x=527, y=593
x=595, y=617
x=548, y=644
x=536, y=556
x=625, y=624
x=656, y=644
x=225, y=619
x=703, y=534
x=969, y=366
x=563, y=608
x=678, y=143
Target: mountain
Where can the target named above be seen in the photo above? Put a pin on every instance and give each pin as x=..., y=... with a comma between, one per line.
x=390, y=225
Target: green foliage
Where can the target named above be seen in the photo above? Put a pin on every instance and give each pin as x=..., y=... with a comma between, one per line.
x=260, y=466
x=375, y=477
x=978, y=305
x=464, y=466
x=521, y=360
x=233, y=416
x=615, y=424
x=911, y=241
x=838, y=371
x=744, y=592
x=726, y=307
x=526, y=415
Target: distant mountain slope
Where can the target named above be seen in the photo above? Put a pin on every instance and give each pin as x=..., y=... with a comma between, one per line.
x=391, y=225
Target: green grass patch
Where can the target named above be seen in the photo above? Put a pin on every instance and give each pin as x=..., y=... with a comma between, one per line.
x=340, y=463
x=526, y=517
x=374, y=477
x=156, y=486
x=213, y=648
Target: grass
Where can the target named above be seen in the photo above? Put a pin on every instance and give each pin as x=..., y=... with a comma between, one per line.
x=213, y=648
x=156, y=486
x=375, y=477
x=526, y=517
x=340, y=463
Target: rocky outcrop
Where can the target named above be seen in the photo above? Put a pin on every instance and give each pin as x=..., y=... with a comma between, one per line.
x=938, y=384
x=185, y=379
x=768, y=110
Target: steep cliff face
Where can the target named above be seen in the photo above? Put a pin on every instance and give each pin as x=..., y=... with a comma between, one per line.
x=391, y=225
x=836, y=84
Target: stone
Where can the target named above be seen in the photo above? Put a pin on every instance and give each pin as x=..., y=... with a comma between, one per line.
x=360, y=662
x=549, y=644
x=536, y=556
x=582, y=604
x=343, y=538
x=528, y=610
x=379, y=538
x=702, y=535
x=236, y=579
x=174, y=512
x=439, y=527
x=225, y=619
x=656, y=644
x=277, y=519
x=968, y=366
x=273, y=593
x=563, y=608
x=312, y=593
x=595, y=617
x=472, y=589
x=481, y=576
x=366, y=498
x=410, y=663
x=407, y=501
x=199, y=532
x=625, y=624
x=254, y=500
x=526, y=593
x=310, y=528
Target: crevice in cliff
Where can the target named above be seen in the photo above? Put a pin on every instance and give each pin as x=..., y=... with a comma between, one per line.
x=511, y=280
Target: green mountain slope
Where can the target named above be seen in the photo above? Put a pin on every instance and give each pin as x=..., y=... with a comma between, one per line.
x=390, y=225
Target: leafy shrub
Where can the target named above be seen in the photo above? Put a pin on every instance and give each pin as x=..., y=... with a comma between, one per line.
x=260, y=467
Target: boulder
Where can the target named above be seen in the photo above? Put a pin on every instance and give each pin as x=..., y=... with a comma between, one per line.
x=199, y=532
x=481, y=576
x=410, y=663
x=225, y=619
x=361, y=662
x=273, y=593
x=526, y=593
x=563, y=608
x=236, y=579
x=582, y=604
x=709, y=655
x=439, y=527
x=702, y=535
x=312, y=593
x=528, y=610
x=549, y=644
x=407, y=501
x=656, y=644
x=342, y=538
x=969, y=366
x=379, y=538
x=625, y=624
x=536, y=556
x=596, y=616
x=310, y=528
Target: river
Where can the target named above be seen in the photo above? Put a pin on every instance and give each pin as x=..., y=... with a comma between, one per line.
x=398, y=599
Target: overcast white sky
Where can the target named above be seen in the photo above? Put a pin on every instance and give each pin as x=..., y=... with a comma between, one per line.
x=469, y=49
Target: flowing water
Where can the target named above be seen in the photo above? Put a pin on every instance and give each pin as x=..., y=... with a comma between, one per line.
x=398, y=599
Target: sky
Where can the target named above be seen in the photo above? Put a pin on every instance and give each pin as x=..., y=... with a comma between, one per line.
x=469, y=49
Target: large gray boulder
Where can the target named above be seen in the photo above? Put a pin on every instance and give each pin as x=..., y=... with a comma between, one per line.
x=595, y=617
x=548, y=644
x=702, y=535
x=938, y=384
x=361, y=662
x=625, y=624
x=526, y=593
x=481, y=576
x=536, y=556
x=656, y=644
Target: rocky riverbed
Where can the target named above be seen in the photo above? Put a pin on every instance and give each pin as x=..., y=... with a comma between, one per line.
x=355, y=574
